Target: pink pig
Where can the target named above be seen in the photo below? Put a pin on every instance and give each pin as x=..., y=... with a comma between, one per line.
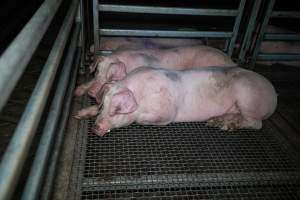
x=115, y=43
x=116, y=66
x=229, y=98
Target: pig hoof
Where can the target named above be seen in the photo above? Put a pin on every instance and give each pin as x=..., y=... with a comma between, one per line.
x=77, y=116
x=78, y=92
x=228, y=127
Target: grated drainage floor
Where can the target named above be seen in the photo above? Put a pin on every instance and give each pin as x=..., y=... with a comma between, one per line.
x=184, y=161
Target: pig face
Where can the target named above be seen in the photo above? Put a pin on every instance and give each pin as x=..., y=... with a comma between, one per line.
x=107, y=70
x=116, y=110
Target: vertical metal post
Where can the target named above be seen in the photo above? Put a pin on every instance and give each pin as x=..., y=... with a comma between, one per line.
x=236, y=27
x=82, y=41
x=226, y=45
x=86, y=18
x=262, y=31
x=250, y=29
x=96, y=25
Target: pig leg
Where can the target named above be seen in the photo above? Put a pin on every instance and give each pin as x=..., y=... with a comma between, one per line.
x=83, y=88
x=87, y=112
x=252, y=123
x=237, y=121
x=229, y=122
x=226, y=122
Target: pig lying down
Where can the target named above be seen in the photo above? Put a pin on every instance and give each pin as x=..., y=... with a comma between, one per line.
x=116, y=66
x=229, y=98
x=115, y=43
x=126, y=43
x=290, y=47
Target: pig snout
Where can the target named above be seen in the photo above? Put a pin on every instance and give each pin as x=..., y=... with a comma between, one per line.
x=99, y=131
x=102, y=127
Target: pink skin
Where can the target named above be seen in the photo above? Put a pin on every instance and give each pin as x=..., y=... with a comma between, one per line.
x=126, y=43
x=279, y=47
x=87, y=112
x=116, y=66
x=116, y=43
x=83, y=88
x=228, y=97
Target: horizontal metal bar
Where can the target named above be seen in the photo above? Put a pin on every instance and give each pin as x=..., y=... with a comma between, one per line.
x=285, y=14
x=282, y=36
x=167, y=10
x=16, y=57
x=33, y=182
x=103, y=52
x=278, y=57
x=17, y=151
x=189, y=180
x=156, y=33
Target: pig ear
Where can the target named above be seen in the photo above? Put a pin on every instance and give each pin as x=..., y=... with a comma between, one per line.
x=94, y=65
x=99, y=96
x=123, y=103
x=116, y=71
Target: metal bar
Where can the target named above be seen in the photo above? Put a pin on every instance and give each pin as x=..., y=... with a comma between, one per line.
x=278, y=57
x=96, y=25
x=88, y=23
x=262, y=31
x=285, y=14
x=60, y=132
x=16, y=57
x=156, y=33
x=33, y=183
x=236, y=27
x=250, y=29
x=16, y=153
x=83, y=33
x=189, y=180
x=104, y=52
x=166, y=10
x=282, y=36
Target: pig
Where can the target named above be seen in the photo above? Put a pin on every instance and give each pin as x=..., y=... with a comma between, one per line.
x=116, y=66
x=126, y=43
x=115, y=43
x=279, y=47
x=228, y=98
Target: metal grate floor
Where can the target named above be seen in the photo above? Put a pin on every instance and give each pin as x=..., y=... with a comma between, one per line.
x=185, y=161
x=224, y=192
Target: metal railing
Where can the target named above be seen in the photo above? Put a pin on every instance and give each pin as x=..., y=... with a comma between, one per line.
x=252, y=45
x=12, y=65
x=228, y=36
